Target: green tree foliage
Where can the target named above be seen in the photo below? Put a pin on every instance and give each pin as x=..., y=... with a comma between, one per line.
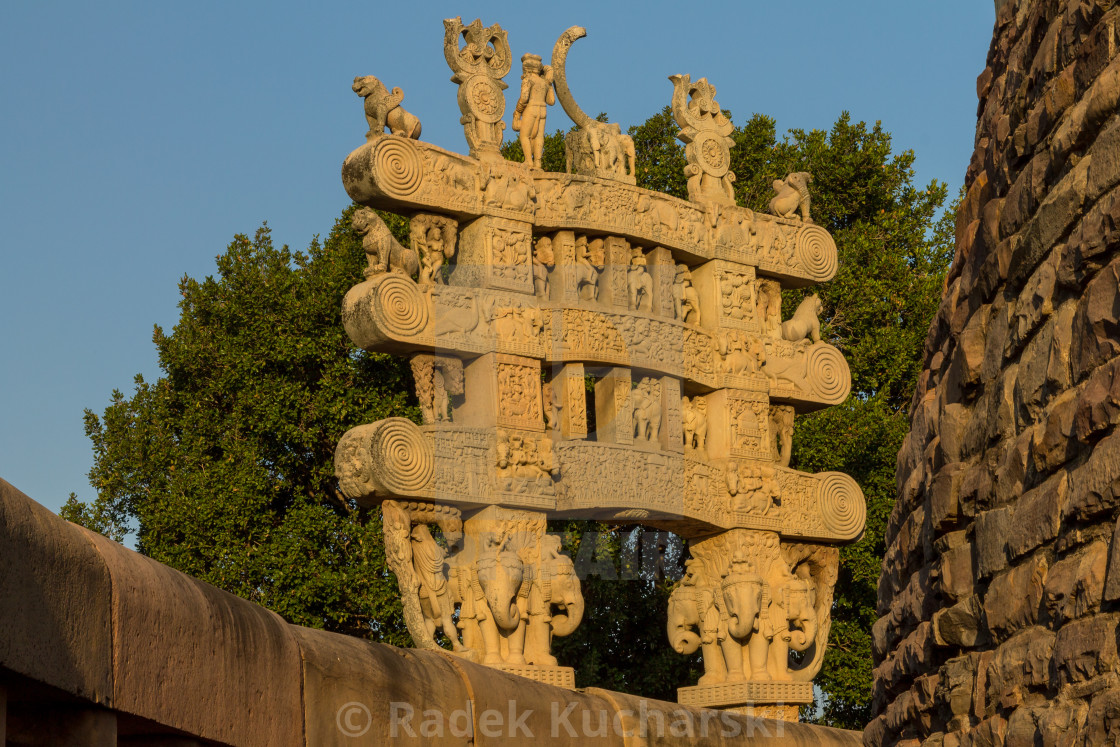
x=224, y=465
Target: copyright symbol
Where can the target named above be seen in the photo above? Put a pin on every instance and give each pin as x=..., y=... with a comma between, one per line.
x=353, y=719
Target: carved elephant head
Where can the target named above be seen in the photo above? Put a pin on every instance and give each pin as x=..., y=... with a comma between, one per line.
x=799, y=604
x=684, y=616
x=565, y=593
x=500, y=576
x=742, y=598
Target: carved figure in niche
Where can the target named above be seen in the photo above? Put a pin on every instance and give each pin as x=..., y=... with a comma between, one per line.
x=383, y=252
x=692, y=607
x=525, y=463
x=804, y=325
x=433, y=238
x=436, y=378
x=769, y=311
x=791, y=194
x=531, y=110
x=781, y=428
x=587, y=269
x=435, y=595
x=647, y=410
x=551, y=408
x=554, y=584
x=686, y=301
x=639, y=283
x=694, y=416
x=479, y=66
x=754, y=488
x=706, y=134
x=383, y=109
x=543, y=260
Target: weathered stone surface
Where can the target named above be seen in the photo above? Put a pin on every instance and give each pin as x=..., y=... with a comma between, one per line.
x=961, y=625
x=1075, y=584
x=1020, y=664
x=1014, y=596
x=1102, y=722
x=992, y=529
x=1112, y=577
x=188, y=654
x=1096, y=326
x=55, y=601
x=944, y=498
x=1086, y=648
x=956, y=572
x=1037, y=515
x=1098, y=403
x=1053, y=446
x=1092, y=485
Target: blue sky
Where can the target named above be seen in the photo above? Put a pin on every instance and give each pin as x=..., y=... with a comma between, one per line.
x=137, y=138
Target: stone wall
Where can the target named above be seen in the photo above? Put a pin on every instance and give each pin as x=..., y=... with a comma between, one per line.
x=998, y=593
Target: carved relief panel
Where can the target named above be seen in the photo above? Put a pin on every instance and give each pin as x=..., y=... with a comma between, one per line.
x=496, y=253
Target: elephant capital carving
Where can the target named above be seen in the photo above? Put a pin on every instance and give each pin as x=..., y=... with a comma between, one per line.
x=555, y=604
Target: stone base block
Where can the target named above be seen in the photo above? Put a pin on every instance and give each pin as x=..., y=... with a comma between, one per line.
x=763, y=699
x=557, y=676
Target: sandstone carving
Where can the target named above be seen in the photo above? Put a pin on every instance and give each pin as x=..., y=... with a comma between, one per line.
x=385, y=254
x=583, y=346
x=596, y=148
x=705, y=132
x=531, y=110
x=383, y=109
x=792, y=194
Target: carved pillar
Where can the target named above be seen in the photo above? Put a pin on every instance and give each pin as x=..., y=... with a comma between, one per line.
x=612, y=286
x=672, y=438
x=614, y=416
x=663, y=270
x=570, y=396
x=564, y=281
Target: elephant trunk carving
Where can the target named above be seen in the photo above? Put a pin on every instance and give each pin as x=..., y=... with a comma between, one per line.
x=743, y=597
x=683, y=617
x=500, y=576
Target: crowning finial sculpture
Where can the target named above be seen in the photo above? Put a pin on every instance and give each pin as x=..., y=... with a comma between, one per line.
x=518, y=285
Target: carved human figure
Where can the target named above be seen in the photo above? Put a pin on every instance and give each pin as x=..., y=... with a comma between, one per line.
x=531, y=110
x=435, y=595
x=383, y=109
x=639, y=284
x=433, y=238
x=686, y=301
x=647, y=410
x=383, y=252
x=804, y=325
x=791, y=194
x=586, y=271
x=694, y=414
x=543, y=259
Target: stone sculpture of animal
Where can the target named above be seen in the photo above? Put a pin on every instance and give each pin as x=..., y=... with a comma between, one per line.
x=385, y=253
x=383, y=109
x=792, y=193
x=804, y=324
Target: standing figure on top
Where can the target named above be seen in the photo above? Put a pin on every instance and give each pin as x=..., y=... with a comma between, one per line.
x=529, y=115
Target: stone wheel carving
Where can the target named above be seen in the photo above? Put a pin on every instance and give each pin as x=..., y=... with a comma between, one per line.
x=398, y=306
x=400, y=456
x=841, y=504
x=828, y=374
x=816, y=252
x=398, y=165
x=712, y=153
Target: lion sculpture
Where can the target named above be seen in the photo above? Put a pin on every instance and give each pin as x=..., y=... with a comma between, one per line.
x=385, y=254
x=804, y=324
x=383, y=109
x=792, y=193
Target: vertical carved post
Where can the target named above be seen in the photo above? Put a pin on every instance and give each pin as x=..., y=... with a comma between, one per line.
x=614, y=417
x=672, y=438
x=663, y=270
x=570, y=394
x=612, y=287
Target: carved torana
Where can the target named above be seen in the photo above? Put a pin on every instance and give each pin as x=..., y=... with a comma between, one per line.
x=582, y=347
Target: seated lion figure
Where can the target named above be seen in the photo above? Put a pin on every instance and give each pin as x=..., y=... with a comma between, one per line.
x=383, y=109
x=804, y=324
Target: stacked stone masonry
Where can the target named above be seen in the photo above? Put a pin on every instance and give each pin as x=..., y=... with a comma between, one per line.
x=998, y=597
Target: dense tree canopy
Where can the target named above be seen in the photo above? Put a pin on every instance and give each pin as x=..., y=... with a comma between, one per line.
x=223, y=467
